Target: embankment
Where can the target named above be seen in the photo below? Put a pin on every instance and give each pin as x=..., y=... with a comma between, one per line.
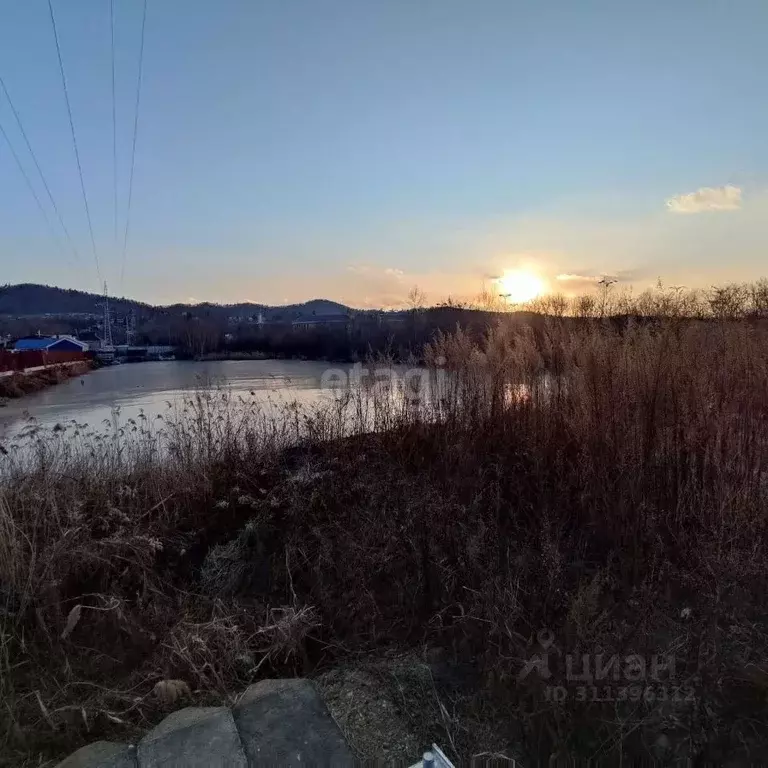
x=20, y=384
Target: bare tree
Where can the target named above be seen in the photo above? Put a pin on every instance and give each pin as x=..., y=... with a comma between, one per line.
x=728, y=302
x=557, y=304
x=584, y=306
x=491, y=301
x=605, y=286
x=417, y=299
x=453, y=303
x=758, y=298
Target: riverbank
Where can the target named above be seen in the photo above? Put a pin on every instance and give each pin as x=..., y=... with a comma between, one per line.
x=576, y=571
x=19, y=384
x=346, y=360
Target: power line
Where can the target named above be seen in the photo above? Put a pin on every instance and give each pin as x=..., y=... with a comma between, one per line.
x=37, y=165
x=29, y=184
x=114, y=109
x=133, y=150
x=74, y=139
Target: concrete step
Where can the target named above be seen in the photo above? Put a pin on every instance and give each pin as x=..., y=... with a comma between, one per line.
x=275, y=722
x=104, y=754
x=196, y=737
x=284, y=722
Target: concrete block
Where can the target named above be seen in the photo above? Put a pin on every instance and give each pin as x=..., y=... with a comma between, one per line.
x=284, y=722
x=195, y=737
x=102, y=754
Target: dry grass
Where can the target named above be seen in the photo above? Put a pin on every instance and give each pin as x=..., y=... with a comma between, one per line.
x=608, y=483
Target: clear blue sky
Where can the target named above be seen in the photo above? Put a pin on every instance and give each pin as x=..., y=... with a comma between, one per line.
x=350, y=148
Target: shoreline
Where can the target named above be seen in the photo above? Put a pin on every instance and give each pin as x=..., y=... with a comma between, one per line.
x=20, y=384
x=260, y=357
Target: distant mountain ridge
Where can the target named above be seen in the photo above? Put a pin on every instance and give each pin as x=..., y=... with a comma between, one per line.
x=32, y=300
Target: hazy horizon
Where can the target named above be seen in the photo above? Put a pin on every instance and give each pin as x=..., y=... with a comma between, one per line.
x=350, y=151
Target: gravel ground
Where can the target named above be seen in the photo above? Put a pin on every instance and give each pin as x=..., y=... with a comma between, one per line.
x=391, y=710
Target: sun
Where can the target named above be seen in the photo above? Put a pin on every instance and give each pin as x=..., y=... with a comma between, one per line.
x=519, y=286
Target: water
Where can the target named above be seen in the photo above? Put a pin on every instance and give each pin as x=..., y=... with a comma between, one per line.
x=149, y=387
x=112, y=396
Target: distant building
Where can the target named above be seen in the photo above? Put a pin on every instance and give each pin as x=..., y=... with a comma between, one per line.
x=50, y=344
x=308, y=322
x=395, y=317
x=91, y=338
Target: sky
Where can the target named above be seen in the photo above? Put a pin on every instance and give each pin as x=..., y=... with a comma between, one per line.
x=351, y=149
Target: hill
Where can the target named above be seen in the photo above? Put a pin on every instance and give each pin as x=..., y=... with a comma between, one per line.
x=33, y=300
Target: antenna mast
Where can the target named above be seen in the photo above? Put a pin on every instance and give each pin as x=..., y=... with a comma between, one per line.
x=130, y=327
x=107, y=322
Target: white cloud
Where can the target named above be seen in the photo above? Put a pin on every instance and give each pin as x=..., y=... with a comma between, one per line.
x=378, y=286
x=374, y=271
x=571, y=278
x=590, y=276
x=727, y=198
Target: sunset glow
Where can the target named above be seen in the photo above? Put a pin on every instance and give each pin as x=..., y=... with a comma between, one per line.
x=519, y=286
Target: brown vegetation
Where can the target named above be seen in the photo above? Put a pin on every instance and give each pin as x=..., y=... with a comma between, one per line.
x=606, y=483
x=20, y=384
